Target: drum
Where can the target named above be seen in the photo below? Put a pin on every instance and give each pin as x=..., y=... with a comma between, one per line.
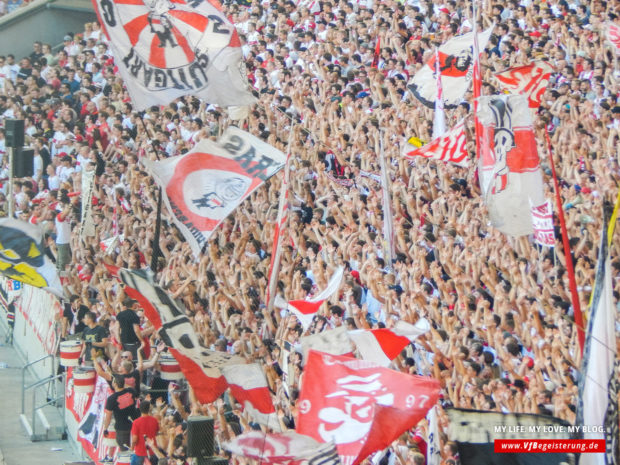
x=70, y=353
x=169, y=368
x=84, y=379
x=123, y=458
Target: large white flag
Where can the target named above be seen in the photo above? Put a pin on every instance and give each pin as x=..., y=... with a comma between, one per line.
x=510, y=175
x=598, y=360
x=456, y=65
x=204, y=186
x=165, y=49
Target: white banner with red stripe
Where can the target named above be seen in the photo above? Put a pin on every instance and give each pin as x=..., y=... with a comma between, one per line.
x=451, y=146
x=542, y=221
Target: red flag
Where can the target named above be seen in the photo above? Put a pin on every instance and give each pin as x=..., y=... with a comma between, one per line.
x=359, y=405
x=381, y=346
x=201, y=367
x=451, y=146
x=529, y=80
x=613, y=35
x=375, y=58
x=249, y=386
x=289, y=448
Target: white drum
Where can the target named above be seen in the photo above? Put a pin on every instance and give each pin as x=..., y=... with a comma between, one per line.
x=123, y=458
x=70, y=353
x=84, y=379
x=169, y=368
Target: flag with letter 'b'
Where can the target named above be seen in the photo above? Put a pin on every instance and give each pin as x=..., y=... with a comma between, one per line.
x=204, y=186
x=165, y=49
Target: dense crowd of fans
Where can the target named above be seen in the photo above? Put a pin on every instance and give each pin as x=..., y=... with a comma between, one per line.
x=503, y=336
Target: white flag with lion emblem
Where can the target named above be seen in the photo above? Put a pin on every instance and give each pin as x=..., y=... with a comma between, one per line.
x=165, y=49
x=204, y=186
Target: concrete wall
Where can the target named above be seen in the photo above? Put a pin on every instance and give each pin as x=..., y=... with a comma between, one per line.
x=45, y=20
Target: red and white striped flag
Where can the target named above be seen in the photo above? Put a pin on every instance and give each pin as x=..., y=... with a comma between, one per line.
x=381, y=346
x=249, y=386
x=305, y=310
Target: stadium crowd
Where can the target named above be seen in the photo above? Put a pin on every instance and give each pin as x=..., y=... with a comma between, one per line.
x=503, y=336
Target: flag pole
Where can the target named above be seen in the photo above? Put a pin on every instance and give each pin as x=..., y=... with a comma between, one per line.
x=281, y=221
x=477, y=79
x=567, y=252
x=388, y=229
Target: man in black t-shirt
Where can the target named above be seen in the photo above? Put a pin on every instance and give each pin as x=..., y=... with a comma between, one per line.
x=72, y=317
x=94, y=337
x=121, y=404
x=129, y=322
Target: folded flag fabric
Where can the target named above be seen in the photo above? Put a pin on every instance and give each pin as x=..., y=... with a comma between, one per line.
x=334, y=341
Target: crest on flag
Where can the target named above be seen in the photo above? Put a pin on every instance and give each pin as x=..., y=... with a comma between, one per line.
x=456, y=58
x=202, y=187
x=529, y=80
x=168, y=48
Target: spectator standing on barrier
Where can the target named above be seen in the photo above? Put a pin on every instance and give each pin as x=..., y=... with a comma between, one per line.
x=146, y=426
x=121, y=404
x=129, y=324
x=95, y=339
x=73, y=316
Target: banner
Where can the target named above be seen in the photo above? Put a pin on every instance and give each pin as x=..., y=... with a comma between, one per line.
x=90, y=429
x=433, y=443
x=87, y=227
x=43, y=313
x=207, y=184
x=455, y=62
x=305, y=310
x=542, y=222
x=283, y=448
x=249, y=387
x=165, y=49
x=475, y=432
x=359, y=405
x=200, y=366
x=599, y=358
x=511, y=180
x=529, y=80
x=388, y=222
x=22, y=256
x=451, y=146
x=613, y=35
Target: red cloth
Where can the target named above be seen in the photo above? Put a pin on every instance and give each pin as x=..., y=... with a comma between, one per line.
x=145, y=425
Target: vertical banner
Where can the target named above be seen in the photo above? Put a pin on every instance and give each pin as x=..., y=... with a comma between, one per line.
x=90, y=429
x=439, y=122
x=542, y=220
x=433, y=448
x=87, y=227
x=388, y=227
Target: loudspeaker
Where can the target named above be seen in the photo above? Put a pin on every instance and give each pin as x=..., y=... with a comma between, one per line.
x=14, y=133
x=200, y=437
x=22, y=162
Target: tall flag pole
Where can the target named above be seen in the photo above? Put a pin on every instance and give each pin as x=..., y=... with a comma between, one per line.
x=477, y=83
x=567, y=253
x=388, y=227
x=439, y=122
x=276, y=250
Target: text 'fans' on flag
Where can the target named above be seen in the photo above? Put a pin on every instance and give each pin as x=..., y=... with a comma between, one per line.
x=451, y=146
x=249, y=387
x=283, y=448
x=305, y=310
x=359, y=405
x=165, y=49
x=510, y=176
x=456, y=59
x=200, y=366
x=529, y=80
x=22, y=256
x=202, y=187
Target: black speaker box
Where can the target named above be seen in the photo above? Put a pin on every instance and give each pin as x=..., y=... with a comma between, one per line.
x=22, y=162
x=200, y=437
x=14, y=132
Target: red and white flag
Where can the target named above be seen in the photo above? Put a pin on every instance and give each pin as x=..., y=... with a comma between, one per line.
x=613, y=35
x=333, y=341
x=542, y=221
x=305, y=310
x=510, y=177
x=283, y=448
x=455, y=63
x=449, y=147
x=200, y=366
x=381, y=346
x=529, y=80
x=359, y=405
x=204, y=186
x=249, y=386
x=165, y=49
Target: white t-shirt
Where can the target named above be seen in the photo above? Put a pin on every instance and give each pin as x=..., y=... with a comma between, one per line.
x=63, y=230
